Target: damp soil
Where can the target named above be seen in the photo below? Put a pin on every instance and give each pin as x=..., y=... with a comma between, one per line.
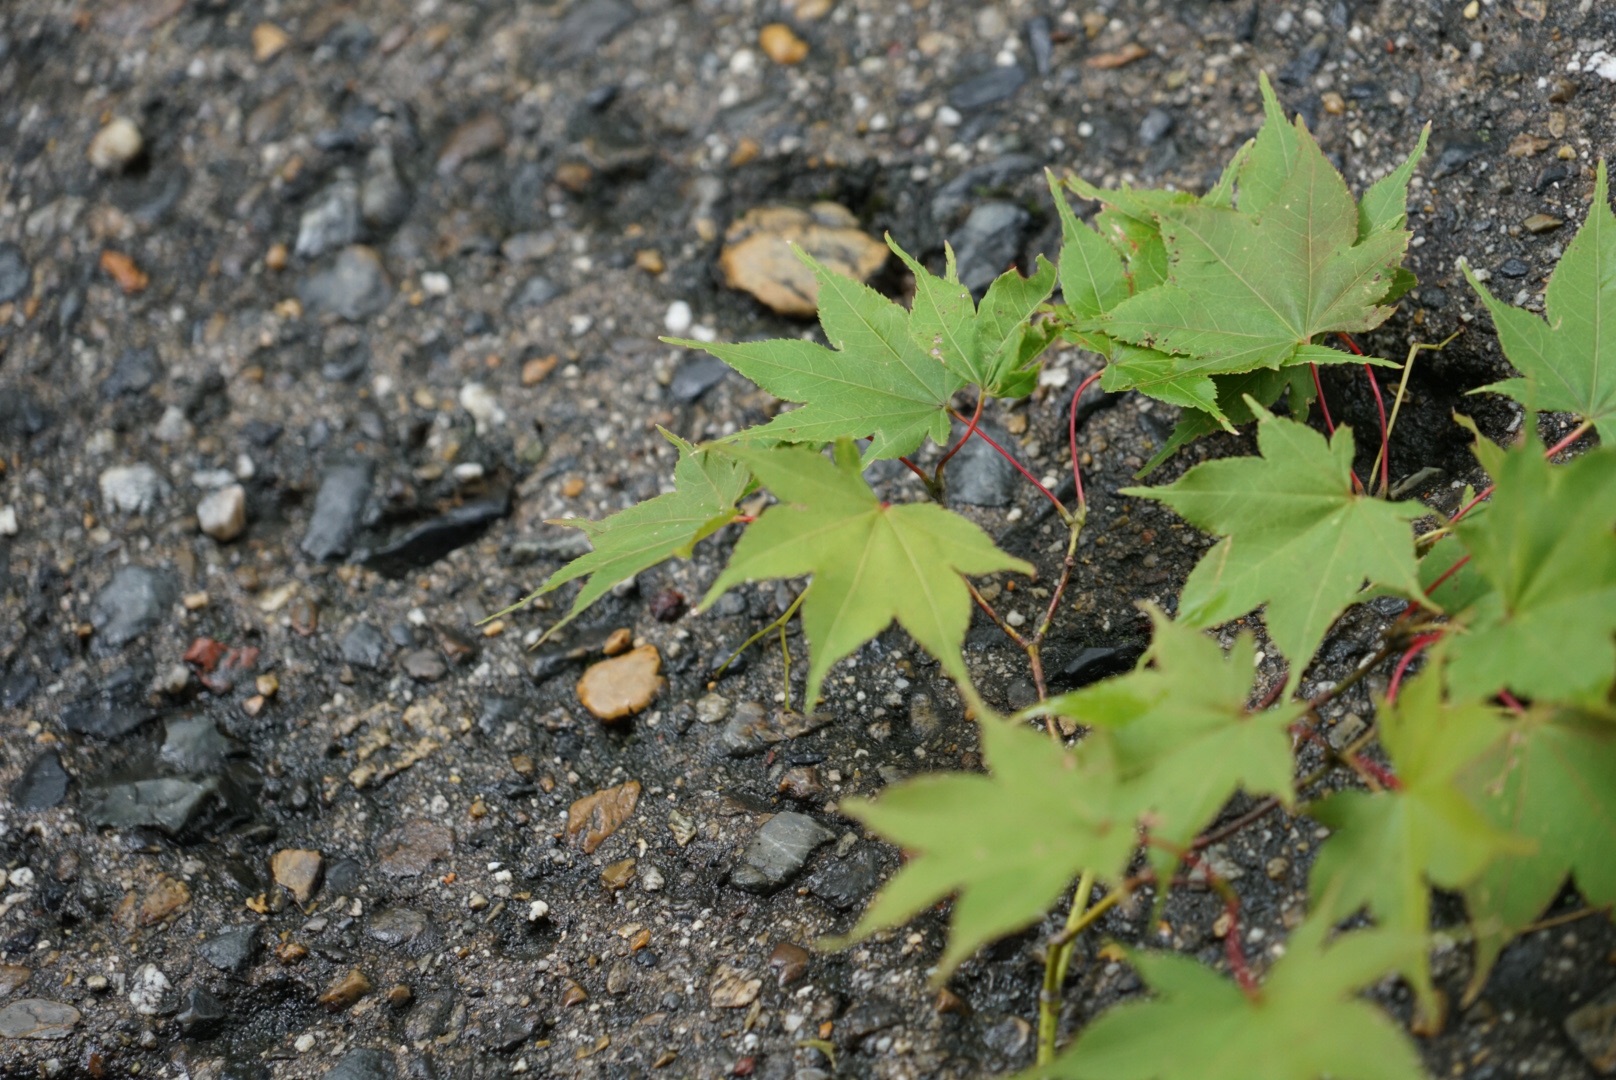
x=405, y=420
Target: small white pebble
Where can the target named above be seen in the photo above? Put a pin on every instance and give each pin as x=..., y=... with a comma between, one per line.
x=537, y=910
x=434, y=283
x=304, y=1043
x=679, y=318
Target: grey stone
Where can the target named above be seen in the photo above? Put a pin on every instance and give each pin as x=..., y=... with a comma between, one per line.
x=993, y=176
x=113, y=709
x=131, y=489
x=222, y=514
x=695, y=377
x=988, y=243
x=535, y=292
x=383, y=198
x=331, y=222
x=397, y=926
x=363, y=1064
x=202, y=1014
x=337, y=509
x=1592, y=1029
x=168, y=804
x=1155, y=127
x=353, y=287
x=134, y=601
x=365, y=646
x=37, y=1018
x=979, y=475
x=1040, y=42
x=134, y=372
x=992, y=86
x=778, y=851
x=42, y=785
x=196, y=745
x=586, y=27
x=15, y=275
x=426, y=665
x=231, y=951
x=429, y=1017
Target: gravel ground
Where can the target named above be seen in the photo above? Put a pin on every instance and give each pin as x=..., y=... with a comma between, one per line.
x=313, y=315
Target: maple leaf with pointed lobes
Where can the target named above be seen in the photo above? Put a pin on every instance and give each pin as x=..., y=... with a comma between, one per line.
x=1295, y=536
x=1388, y=848
x=874, y=381
x=1182, y=737
x=1568, y=363
x=1008, y=844
x=1253, y=287
x=707, y=484
x=1304, y=1022
x=1552, y=781
x=871, y=563
x=992, y=345
x=1539, y=591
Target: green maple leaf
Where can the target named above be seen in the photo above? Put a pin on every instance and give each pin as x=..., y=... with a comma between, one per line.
x=1007, y=844
x=1390, y=847
x=1551, y=781
x=1253, y=287
x=1305, y=1022
x=1181, y=735
x=874, y=381
x=871, y=563
x=1295, y=536
x=1545, y=550
x=991, y=346
x=1568, y=363
x=707, y=484
x=1263, y=386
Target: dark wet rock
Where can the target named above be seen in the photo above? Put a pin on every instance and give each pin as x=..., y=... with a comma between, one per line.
x=995, y=176
x=231, y=951
x=1155, y=127
x=1094, y=663
x=1433, y=297
x=587, y=27
x=429, y=1018
x=201, y=1015
x=42, y=785
x=383, y=198
x=424, y=665
x=169, y=804
x=988, y=243
x=364, y=646
x=778, y=851
x=15, y=276
x=509, y=1031
x=535, y=292
x=134, y=372
x=426, y=543
x=695, y=376
x=363, y=1064
x=989, y=88
x=16, y=688
x=197, y=745
x=337, y=509
x=847, y=882
x=866, y=1018
x=37, y=1018
x=397, y=926
x=1453, y=158
x=330, y=222
x=353, y=287
x=115, y=708
x=1514, y=268
x=134, y=601
x=1040, y=42
x=344, y=877
x=979, y=475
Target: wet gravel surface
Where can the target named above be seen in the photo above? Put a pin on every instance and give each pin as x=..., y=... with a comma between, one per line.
x=313, y=315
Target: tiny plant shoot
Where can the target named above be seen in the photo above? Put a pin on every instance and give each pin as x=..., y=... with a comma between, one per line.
x=1495, y=770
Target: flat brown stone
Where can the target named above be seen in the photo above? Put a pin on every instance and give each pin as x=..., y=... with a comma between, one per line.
x=758, y=256
x=12, y=978
x=345, y=991
x=165, y=898
x=618, y=874
x=734, y=988
x=623, y=685
x=412, y=848
x=298, y=872
x=595, y=817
